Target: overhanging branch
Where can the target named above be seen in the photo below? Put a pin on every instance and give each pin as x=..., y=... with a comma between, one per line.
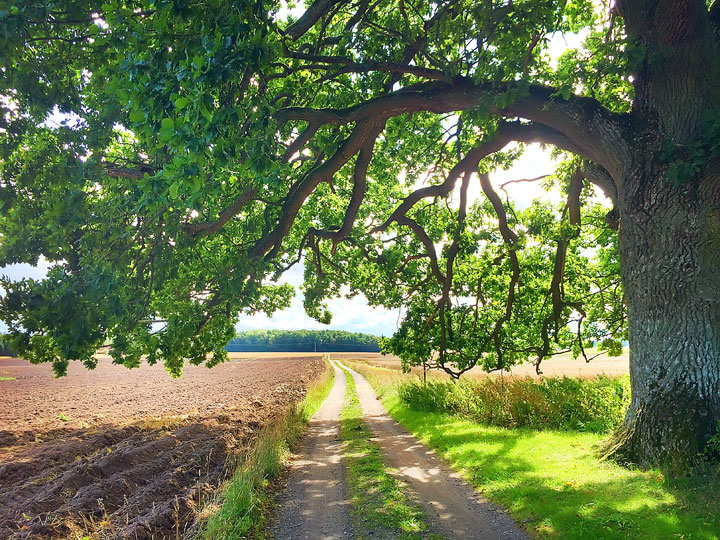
x=586, y=127
x=506, y=133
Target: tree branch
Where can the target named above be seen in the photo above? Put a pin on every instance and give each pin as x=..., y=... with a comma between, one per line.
x=427, y=242
x=358, y=193
x=588, y=129
x=510, y=239
x=269, y=243
x=349, y=66
x=312, y=15
x=506, y=133
x=210, y=227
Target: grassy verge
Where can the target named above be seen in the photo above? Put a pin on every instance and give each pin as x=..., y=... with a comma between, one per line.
x=7, y=379
x=381, y=509
x=241, y=510
x=551, y=480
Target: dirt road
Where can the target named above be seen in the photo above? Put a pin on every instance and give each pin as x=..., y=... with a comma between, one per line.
x=454, y=509
x=314, y=503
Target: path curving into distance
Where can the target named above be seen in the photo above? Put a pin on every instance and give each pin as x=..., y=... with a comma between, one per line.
x=313, y=505
x=453, y=508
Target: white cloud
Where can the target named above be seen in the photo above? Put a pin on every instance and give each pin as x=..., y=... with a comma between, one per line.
x=352, y=314
x=23, y=270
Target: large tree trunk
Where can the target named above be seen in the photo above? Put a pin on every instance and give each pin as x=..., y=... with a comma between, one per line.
x=670, y=256
x=670, y=237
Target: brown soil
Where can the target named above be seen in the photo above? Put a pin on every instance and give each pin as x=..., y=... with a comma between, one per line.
x=138, y=452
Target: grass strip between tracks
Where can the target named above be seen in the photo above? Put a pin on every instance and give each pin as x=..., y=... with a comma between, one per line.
x=245, y=501
x=551, y=480
x=380, y=506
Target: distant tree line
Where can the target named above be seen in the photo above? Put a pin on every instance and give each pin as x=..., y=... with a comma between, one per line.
x=5, y=349
x=303, y=341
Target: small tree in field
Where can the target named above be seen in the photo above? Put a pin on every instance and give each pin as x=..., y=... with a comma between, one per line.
x=172, y=158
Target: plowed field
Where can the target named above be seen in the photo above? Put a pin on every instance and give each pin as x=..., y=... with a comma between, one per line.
x=117, y=453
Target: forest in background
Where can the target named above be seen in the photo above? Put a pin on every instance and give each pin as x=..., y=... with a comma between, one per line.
x=303, y=341
x=5, y=349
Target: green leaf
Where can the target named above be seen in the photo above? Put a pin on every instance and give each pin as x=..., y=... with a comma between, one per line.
x=206, y=112
x=137, y=116
x=181, y=103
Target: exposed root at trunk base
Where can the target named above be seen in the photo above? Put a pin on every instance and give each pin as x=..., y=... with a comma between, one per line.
x=675, y=439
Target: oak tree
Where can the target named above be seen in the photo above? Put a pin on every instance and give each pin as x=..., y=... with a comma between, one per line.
x=172, y=158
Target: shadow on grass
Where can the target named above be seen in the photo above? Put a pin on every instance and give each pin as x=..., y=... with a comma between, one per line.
x=552, y=482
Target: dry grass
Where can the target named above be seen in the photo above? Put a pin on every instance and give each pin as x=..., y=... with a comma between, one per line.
x=240, y=510
x=562, y=365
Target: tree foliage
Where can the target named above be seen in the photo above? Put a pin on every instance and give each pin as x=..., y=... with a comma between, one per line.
x=173, y=158
x=5, y=349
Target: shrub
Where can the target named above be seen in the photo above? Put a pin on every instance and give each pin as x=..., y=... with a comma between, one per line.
x=596, y=405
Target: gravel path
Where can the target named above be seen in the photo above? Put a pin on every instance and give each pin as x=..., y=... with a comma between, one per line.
x=454, y=509
x=314, y=503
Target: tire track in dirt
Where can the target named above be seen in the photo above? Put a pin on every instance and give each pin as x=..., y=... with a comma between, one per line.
x=454, y=509
x=313, y=504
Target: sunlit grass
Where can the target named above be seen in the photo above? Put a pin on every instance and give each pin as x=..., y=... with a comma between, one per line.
x=553, y=483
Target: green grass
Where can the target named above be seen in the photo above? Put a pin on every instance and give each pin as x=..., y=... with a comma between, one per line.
x=317, y=392
x=7, y=379
x=380, y=507
x=242, y=508
x=553, y=483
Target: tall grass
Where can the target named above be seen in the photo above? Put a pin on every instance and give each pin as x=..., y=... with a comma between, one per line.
x=594, y=405
x=241, y=510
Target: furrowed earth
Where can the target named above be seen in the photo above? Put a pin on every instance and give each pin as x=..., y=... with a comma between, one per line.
x=118, y=453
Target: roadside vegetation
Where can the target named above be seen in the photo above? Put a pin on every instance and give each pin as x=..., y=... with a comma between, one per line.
x=597, y=405
x=241, y=509
x=548, y=475
x=381, y=508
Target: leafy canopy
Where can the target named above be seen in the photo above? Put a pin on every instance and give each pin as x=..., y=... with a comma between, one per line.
x=172, y=158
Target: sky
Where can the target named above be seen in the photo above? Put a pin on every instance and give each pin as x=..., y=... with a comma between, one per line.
x=355, y=314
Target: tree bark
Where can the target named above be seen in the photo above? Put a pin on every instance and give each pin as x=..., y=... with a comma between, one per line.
x=670, y=256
